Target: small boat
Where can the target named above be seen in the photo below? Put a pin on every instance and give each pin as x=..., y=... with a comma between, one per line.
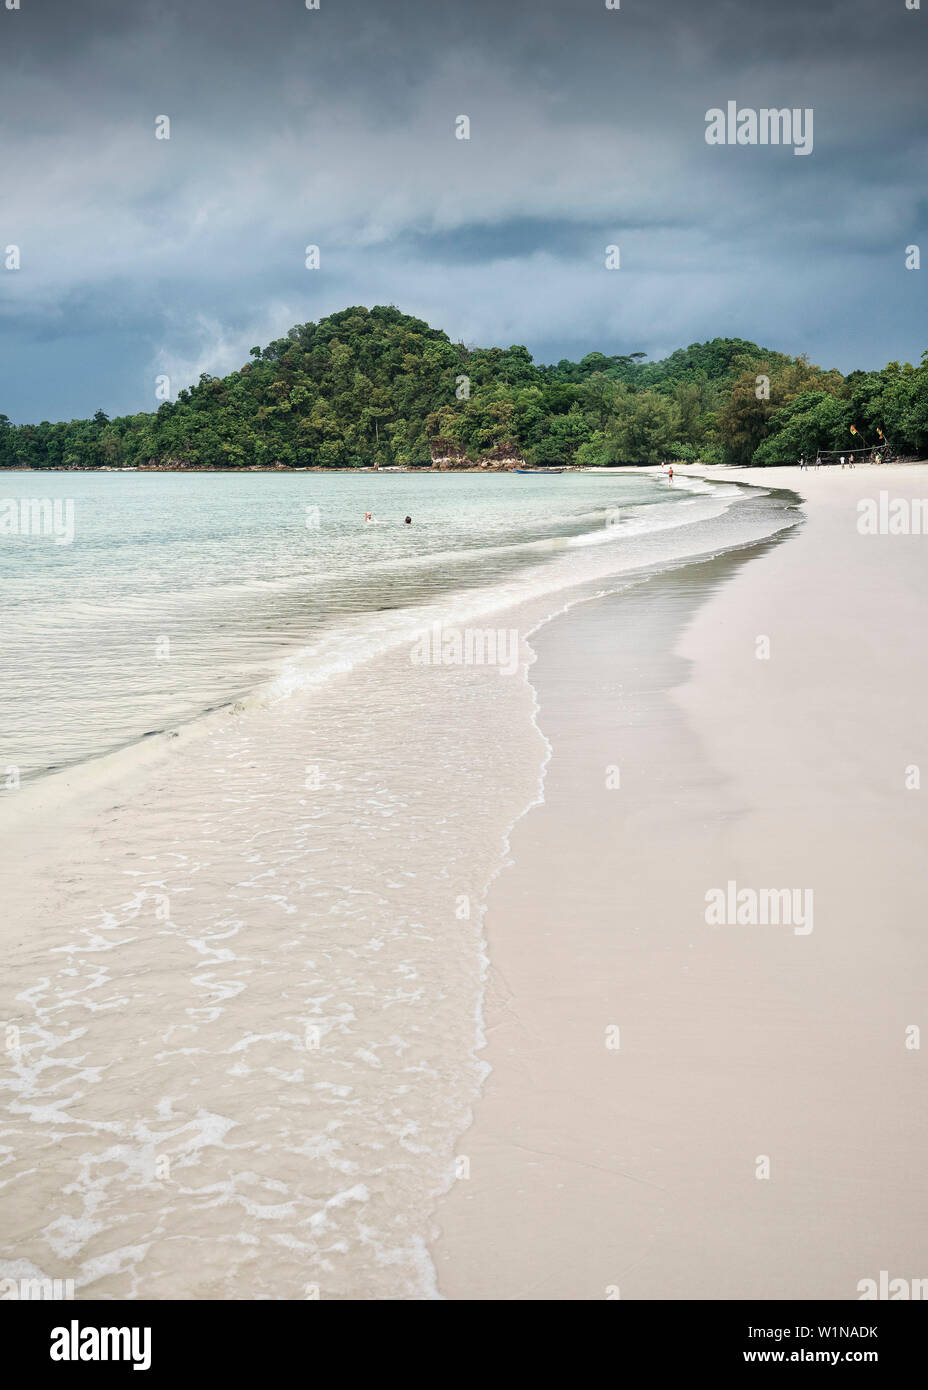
x=538, y=470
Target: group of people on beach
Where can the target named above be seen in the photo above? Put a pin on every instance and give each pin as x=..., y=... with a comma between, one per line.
x=846, y=460
x=369, y=517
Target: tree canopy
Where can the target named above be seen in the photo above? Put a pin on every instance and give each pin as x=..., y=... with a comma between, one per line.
x=368, y=387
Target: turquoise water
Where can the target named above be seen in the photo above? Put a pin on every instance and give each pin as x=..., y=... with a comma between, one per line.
x=181, y=592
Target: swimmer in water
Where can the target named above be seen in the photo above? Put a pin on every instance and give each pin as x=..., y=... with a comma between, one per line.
x=368, y=516
x=408, y=521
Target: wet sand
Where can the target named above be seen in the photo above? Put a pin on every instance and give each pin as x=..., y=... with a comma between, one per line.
x=639, y=1171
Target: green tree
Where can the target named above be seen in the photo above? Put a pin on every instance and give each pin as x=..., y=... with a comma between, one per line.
x=645, y=430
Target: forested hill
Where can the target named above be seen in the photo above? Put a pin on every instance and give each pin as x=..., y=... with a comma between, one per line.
x=376, y=387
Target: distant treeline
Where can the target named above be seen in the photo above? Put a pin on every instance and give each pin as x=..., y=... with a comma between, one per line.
x=375, y=387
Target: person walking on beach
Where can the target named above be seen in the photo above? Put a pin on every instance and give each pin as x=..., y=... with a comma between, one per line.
x=842, y=460
x=802, y=461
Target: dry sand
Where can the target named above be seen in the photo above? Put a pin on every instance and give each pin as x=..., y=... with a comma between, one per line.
x=597, y=1172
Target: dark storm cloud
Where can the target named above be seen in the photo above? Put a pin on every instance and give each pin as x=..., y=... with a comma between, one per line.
x=475, y=242
x=336, y=127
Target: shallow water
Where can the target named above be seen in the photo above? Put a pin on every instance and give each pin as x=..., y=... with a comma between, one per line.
x=243, y=1000
x=180, y=592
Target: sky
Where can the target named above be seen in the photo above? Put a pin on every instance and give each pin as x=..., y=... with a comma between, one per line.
x=336, y=127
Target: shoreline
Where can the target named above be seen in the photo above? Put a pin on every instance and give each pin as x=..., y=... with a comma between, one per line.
x=694, y=469
x=195, y=923
x=717, y=471
x=638, y=1169
x=529, y=1145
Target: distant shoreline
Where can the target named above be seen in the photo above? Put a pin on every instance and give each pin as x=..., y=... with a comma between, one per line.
x=320, y=469
x=683, y=468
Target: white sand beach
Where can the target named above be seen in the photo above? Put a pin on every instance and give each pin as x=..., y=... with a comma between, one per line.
x=640, y=1172
x=248, y=981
